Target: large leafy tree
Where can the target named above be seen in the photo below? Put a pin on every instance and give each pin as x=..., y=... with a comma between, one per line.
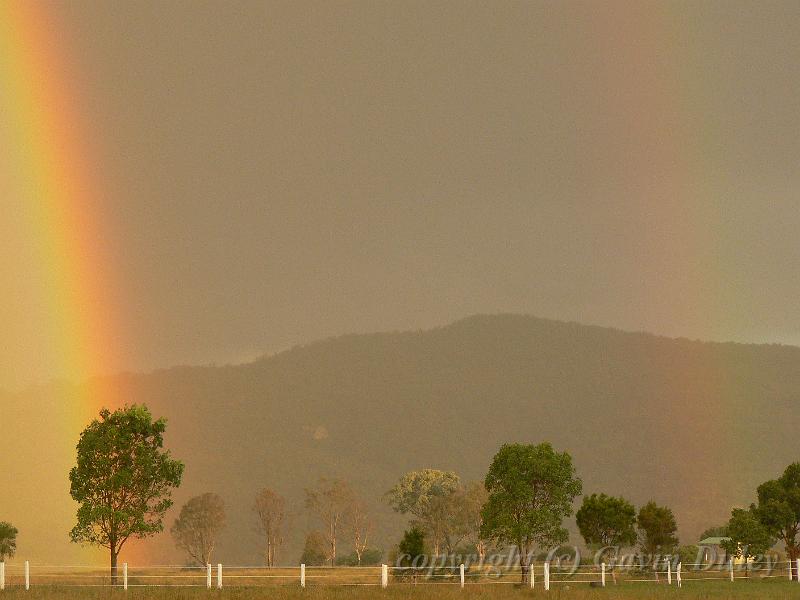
x=607, y=523
x=747, y=536
x=531, y=490
x=657, y=529
x=427, y=495
x=778, y=509
x=123, y=479
x=8, y=540
x=197, y=527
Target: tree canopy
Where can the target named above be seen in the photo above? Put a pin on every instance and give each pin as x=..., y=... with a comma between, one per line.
x=412, y=547
x=531, y=490
x=657, y=529
x=427, y=495
x=123, y=479
x=196, y=529
x=8, y=540
x=778, y=509
x=749, y=538
x=606, y=521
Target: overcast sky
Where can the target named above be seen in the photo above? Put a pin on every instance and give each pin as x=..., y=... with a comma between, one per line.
x=277, y=172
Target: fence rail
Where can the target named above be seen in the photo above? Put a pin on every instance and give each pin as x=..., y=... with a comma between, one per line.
x=538, y=575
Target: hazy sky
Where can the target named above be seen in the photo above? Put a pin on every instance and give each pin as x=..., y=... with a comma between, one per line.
x=278, y=172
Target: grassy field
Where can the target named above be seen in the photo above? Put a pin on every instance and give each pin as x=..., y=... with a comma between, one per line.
x=768, y=590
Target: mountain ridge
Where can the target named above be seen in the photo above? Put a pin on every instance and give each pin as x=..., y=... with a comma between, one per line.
x=694, y=425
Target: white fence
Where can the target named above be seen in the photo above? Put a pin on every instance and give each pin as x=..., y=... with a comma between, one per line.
x=541, y=575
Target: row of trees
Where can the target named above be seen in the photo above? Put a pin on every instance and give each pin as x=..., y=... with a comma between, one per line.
x=203, y=518
x=530, y=489
x=124, y=478
x=340, y=511
x=334, y=503
x=774, y=517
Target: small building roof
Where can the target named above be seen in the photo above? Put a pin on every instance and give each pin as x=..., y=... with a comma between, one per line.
x=712, y=541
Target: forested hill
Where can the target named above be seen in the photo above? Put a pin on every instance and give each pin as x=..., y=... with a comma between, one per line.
x=693, y=425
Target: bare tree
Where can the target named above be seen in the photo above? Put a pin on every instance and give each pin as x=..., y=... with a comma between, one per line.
x=475, y=496
x=360, y=525
x=330, y=501
x=195, y=530
x=270, y=508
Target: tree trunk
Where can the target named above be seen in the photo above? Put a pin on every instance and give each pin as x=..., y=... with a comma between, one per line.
x=523, y=565
x=793, y=552
x=113, y=566
x=333, y=544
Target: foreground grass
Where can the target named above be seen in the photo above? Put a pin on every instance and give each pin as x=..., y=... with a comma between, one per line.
x=767, y=590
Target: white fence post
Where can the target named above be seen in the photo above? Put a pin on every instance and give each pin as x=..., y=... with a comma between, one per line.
x=303, y=575
x=384, y=576
x=797, y=569
x=532, y=575
x=124, y=576
x=678, y=575
x=669, y=572
x=730, y=567
x=208, y=576
x=219, y=576
x=603, y=574
x=2, y=575
x=27, y=575
x=547, y=575
x=461, y=574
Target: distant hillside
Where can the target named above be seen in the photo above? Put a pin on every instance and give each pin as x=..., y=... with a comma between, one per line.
x=694, y=425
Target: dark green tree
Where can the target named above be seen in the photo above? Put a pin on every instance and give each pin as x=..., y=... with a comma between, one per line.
x=123, y=479
x=411, y=552
x=412, y=546
x=778, y=510
x=8, y=540
x=607, y=523
x=657, y=529
x=749, y=538
x=531, y=490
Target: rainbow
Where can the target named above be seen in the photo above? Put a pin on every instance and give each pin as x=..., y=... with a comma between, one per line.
x=52, y=201
x=47, y=179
